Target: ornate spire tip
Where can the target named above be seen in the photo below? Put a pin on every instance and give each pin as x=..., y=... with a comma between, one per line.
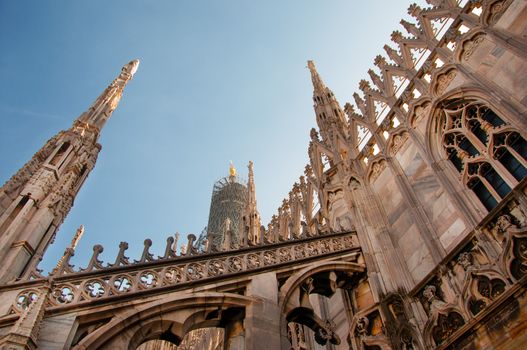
x=311, y=65
x=131, y=67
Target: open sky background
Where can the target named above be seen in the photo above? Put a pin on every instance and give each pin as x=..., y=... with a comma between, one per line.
x=218, y=81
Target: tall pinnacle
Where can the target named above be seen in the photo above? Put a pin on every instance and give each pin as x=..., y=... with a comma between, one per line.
x=250, y=186
x=318, y=84
x=251, y=217
x=101, y=110
x=327, y=109
x=77, y=237
x=63, y=263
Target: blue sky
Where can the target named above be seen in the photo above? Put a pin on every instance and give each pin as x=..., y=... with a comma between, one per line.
x=218, y=81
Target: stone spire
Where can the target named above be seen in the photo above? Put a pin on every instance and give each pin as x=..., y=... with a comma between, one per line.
x=101, y=110
x=77, y=237
x=35, y=201
x=251, y=217
x=251, y=199
x=328, y=112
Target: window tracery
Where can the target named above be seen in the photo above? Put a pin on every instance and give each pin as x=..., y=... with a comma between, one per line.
x=489, y=154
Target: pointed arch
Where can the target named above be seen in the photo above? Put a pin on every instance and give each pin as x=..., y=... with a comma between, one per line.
x=482, y=146
x=127, y=324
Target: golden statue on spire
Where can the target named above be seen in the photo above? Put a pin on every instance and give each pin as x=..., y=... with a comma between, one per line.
x=232, y=170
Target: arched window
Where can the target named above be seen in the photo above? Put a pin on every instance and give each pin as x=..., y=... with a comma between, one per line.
x=490, y=155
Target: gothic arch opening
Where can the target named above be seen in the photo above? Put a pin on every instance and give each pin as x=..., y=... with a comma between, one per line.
x=210, y=338
x=320, y=305
x=211, y=328
x=171, y=319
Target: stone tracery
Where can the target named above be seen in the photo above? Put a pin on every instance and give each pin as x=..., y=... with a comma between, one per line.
x=483, y=149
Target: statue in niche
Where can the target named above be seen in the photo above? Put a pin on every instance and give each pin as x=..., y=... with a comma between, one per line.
x=466, y=260
x=362, y=325
x=503, y=224
x=435, y=303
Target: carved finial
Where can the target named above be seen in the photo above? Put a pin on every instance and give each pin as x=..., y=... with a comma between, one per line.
x=191, y=249
x=131, y=67
x=146, y=255
x=364, y=85
x=121, y=259
x=349, y=109
x=380, y=61
x=396, y=36
x=170, y=250
x=414, y=10
x=95, y=263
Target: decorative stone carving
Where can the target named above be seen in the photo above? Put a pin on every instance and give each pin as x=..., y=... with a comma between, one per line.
x=471, y=45
x=465, y=259
x=496, y=10
x=398, y=141
x=362, y=326
x=216, y=267
x=327, y=333
x=446, y=326
x=503, y=224
x=443, y=80
x=64, y=294
x=430, y=296
x=123, y=283
x=173, y=275
x=94, y=288
x=26, y=298
x=376, y=169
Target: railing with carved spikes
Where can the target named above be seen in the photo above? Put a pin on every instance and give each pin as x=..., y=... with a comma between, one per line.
x=122, y=278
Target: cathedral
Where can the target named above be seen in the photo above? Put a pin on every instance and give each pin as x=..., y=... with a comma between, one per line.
x=407, y=229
